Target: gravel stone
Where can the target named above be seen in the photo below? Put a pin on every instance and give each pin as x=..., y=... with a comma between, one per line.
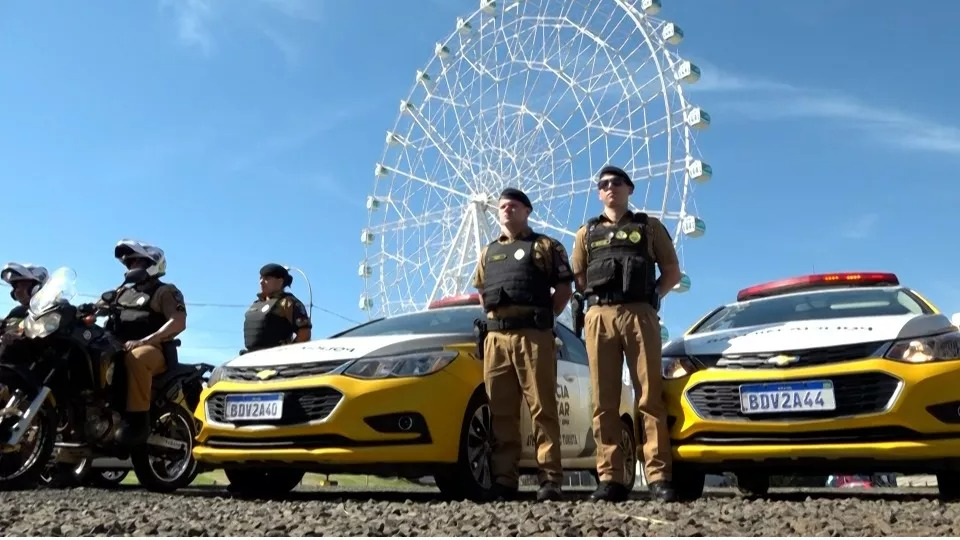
x=343, y=512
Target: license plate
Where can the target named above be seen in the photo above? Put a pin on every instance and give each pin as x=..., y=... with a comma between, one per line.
x=254, y=407
x=787, y=397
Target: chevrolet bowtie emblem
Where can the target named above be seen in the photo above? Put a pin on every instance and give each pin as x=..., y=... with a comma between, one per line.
x=266, y=374
x=781, y=360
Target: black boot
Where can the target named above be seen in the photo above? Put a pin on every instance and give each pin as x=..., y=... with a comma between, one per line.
x=662, y=490
x=549, y=491
x=610, y=491
x=134, y=429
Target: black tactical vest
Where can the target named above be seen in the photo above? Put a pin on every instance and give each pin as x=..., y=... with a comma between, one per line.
x=511, y=278
x=17, y=314
x=620, y=269
x=264, y=326
x=137, y=319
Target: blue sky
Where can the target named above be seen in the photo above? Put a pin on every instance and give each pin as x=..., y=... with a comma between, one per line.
x=236, y=132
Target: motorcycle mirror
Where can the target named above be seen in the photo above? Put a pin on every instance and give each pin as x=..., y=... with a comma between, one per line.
x=135, y=276
x=108, y=296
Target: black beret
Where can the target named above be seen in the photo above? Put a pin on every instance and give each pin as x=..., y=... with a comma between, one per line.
x=516, y=195
x=616, y=171
x=274, y=270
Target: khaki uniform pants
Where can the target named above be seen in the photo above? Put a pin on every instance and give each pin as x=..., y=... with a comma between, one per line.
x=522, y=364
x=612, y=332
x=143, y=364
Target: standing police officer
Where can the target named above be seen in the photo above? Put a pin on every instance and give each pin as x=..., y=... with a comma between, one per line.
x=514, y=276
x=276, y=317
x=26, y=280
x=613, y=264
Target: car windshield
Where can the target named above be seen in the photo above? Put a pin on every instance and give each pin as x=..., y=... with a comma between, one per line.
x=817, y=305
x=457, y=320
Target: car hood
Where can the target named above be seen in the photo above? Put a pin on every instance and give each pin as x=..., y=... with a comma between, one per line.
x=800, y=335
x=346, y=348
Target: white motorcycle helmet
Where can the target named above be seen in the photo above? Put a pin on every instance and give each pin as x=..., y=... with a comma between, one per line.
x=126, y=250
x=15, y=272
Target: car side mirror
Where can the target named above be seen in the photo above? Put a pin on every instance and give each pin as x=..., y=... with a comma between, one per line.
x=955, y=319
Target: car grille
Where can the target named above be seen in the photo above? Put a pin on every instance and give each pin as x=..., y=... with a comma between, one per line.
x=299, y=406
x=856, y=394
x=804, y=357
x=283, y=372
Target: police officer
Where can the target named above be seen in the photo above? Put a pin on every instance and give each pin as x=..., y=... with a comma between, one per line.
x=613, y=263
x=26, y=280
x=276, y=317
x=149, y=315
x=514, y=276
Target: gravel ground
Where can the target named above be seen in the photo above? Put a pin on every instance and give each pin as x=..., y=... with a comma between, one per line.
x=331, y=511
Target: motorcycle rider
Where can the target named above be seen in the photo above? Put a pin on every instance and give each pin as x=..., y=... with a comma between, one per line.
x=26, y=280
x=149, y=315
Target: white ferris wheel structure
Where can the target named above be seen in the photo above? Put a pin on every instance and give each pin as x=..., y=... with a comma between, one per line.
x=537, y=95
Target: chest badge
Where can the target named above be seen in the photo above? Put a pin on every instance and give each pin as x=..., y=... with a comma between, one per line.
x=635, y=237
x=518, y=254
x=621, y=235
x=141, y=300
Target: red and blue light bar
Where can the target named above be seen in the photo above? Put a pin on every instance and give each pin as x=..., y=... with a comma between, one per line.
x=472, y=299
x=818, y=281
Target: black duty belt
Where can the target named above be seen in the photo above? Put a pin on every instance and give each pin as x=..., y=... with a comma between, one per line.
x=612, y=299
x=520, y=323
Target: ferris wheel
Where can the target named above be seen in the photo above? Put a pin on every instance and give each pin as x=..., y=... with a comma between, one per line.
x=537, y=95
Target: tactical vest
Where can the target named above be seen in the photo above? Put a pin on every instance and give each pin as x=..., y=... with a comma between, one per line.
x=264, y=326
x=137, y=319
x=511, y=277
x=13, y=319
x=620, y=269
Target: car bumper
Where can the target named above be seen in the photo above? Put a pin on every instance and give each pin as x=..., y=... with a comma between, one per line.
x=888, y=413
x=360, y=425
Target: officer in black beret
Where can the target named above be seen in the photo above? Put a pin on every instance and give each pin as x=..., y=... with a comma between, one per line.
x=615, y=259
x=524, y=280
x=276, y=317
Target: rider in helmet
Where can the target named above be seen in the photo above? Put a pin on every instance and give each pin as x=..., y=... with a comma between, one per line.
x=26, y=280
x=149, y=315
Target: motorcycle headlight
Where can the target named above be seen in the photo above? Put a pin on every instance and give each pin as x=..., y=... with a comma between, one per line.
x=41, y=327
x=404, y=365
x=676, y=367
x=926, y=349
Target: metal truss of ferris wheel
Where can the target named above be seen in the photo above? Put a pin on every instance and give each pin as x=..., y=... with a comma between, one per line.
x=538, y=95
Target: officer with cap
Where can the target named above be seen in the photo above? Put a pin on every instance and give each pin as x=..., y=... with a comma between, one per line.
x=276, y=317
x=613, y=260
x=514, y=276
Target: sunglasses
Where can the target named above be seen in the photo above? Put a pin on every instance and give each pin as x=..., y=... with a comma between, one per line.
x=607, y=184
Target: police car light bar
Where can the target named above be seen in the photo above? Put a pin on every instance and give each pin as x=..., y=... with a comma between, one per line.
x=839, y=279
x=472, y=299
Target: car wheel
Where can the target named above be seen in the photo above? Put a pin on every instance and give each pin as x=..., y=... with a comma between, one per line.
x=948, y=485
x=107, y=478
x=263, y=482
x=628, y=448
x=752, y=484
x=688, y=483
x=471, y=477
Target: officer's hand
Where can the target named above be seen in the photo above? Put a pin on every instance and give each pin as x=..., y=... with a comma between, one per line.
x=131, y=345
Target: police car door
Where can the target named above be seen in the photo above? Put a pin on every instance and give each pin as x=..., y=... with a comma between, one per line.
x=573, y=396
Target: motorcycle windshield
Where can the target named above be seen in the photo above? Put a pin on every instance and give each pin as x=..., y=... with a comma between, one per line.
x=60, y=287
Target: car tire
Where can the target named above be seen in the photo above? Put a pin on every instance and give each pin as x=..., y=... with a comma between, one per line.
x=752, y=484
x=471, y=476
x=948, y=486
x=106, y=478
x=628, y=448
x=688, y=483
x=263, y=482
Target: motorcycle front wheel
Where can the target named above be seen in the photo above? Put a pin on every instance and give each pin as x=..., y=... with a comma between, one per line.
x=165, y=463
x=21, y=465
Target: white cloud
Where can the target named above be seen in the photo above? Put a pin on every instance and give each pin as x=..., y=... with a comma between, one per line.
x=774, y=101
x=861, y=227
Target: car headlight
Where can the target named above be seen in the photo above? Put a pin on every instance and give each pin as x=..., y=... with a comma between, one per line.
x=215, y=376
x=42, y=327
x=403, y=365
x=926, y=349
x=675, y=367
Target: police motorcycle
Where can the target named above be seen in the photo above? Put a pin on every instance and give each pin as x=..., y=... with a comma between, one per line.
x=62, y=395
